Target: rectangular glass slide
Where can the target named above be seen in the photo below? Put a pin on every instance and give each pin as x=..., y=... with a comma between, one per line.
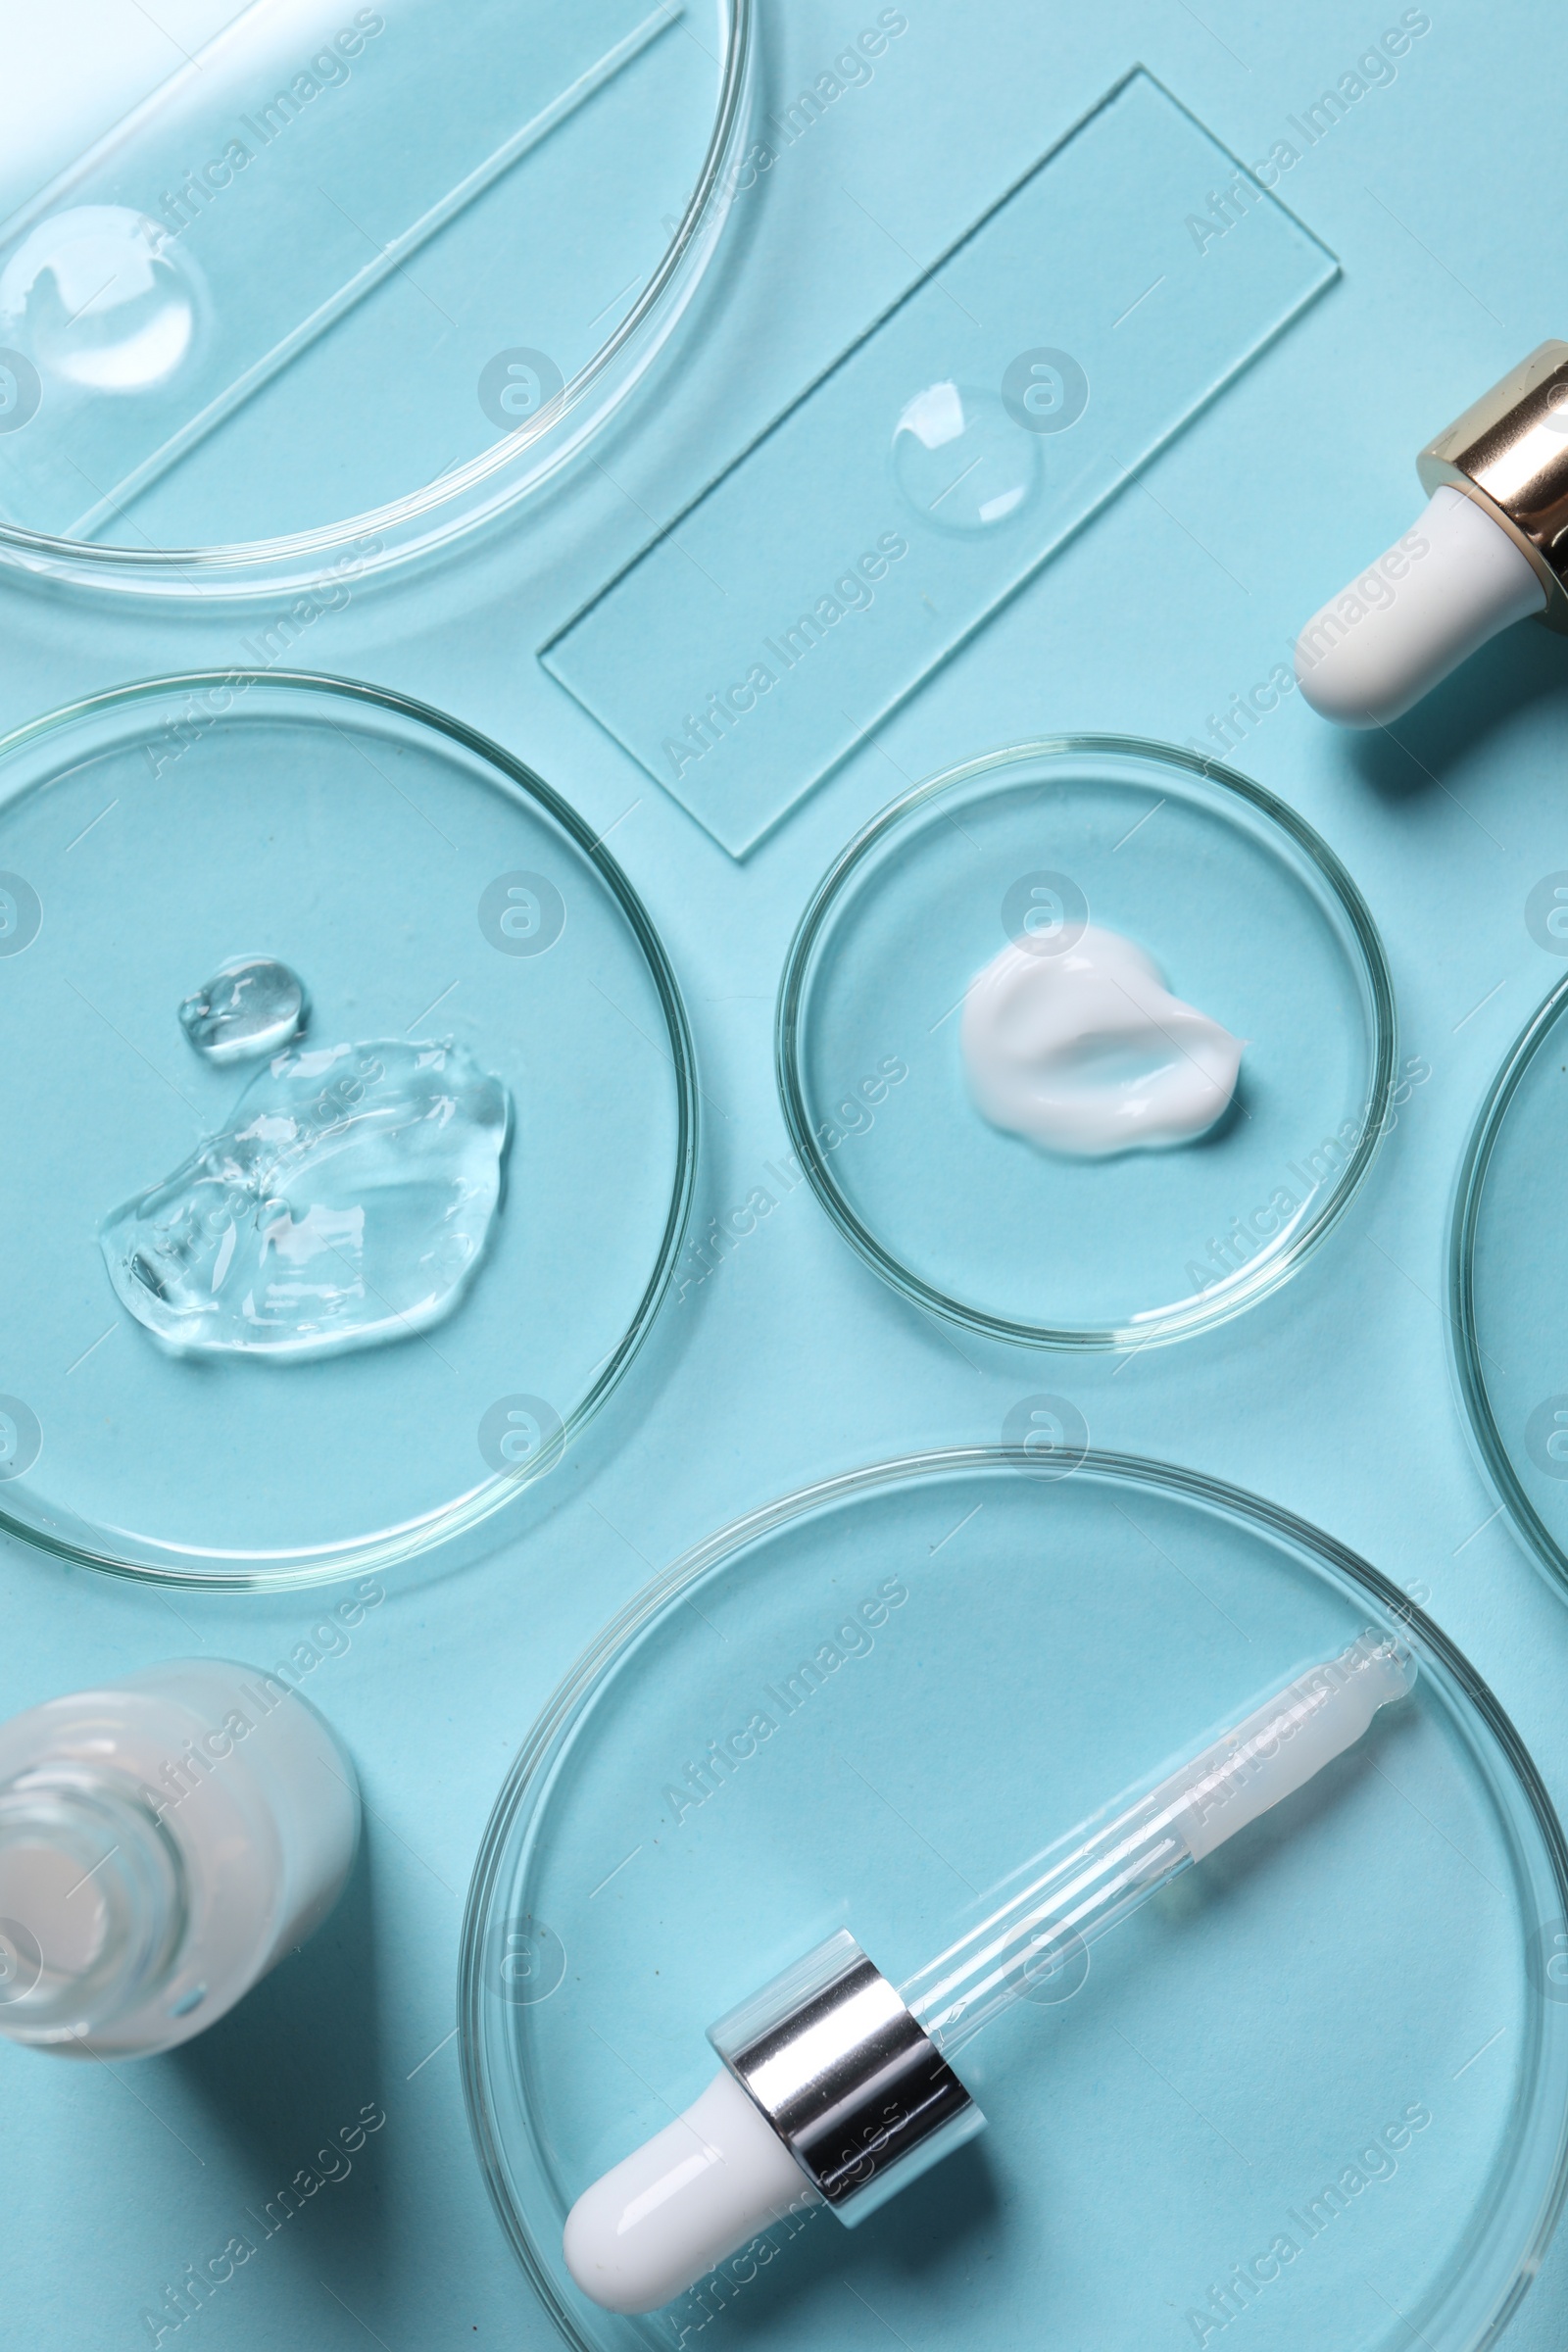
x=1019, y=384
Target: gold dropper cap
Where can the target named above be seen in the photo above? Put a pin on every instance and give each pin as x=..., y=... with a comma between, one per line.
x=1510, y=453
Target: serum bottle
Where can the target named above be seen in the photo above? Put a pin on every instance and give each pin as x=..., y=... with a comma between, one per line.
x=164, y=1840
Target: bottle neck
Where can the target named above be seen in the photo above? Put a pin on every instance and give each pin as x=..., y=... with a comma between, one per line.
x=92, y=1902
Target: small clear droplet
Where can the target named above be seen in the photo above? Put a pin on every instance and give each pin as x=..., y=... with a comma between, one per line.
x=102, y=299
x=251, y=1008
x=961, y=461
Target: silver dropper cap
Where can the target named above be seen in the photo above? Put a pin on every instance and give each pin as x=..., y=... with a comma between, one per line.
x=846, y=2076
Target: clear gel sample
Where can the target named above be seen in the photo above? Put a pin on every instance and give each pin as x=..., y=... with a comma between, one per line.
x=347, y=1203
x=100, y=297
x=961, y=461
x=249, y=1007
x=1077, y=1044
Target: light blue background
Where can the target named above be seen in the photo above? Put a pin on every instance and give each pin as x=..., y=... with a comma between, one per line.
x=1333, y=1397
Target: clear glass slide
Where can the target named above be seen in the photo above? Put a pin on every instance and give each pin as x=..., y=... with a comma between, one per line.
x=1019, y=384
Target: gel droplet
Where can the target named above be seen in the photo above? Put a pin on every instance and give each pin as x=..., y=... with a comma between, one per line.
x=961, y=461
x=100, y=297
x=251, y=1008
x=348, y=1202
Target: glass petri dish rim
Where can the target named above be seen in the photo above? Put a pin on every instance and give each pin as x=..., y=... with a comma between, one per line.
x=1267, y=1275
x=528, y=1785
x=439, y=1527
x=1464, y=1342
x=486, y=486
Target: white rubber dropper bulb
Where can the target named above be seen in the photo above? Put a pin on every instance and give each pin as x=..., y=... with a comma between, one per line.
x=677, y=2205
x=719, y=2174
x=1398, y=630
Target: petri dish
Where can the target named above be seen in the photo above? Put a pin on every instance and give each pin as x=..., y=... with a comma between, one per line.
x=346, y=284
x=1215, y=2075
x=459, y=1204
x=1508, y=1280
x=1251, y=918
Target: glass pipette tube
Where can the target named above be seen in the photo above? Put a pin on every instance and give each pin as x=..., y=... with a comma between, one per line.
x=1100, y=1873
x=837, y=2086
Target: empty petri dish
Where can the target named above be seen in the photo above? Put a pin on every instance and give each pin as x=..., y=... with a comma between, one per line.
x=348, y=281
x=1250, y=921
x=1508, y=1281
x=323, y=1300
x=1320, y=2080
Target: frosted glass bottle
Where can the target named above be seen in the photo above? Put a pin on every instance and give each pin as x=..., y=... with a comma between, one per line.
x=164, y=1840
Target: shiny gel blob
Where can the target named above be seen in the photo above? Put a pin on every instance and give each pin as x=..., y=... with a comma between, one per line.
x=1080, y=1047
x=102, y=299
x=347, y=1203
x=251, y=1008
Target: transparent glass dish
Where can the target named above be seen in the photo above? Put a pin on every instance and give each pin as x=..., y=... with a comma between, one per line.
x=1250, y=917
x=1391, y=1938
x=1507, y=1281
x=348, y=283
x=430, y=891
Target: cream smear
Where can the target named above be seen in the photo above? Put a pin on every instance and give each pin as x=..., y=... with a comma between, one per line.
x=1084, y=1050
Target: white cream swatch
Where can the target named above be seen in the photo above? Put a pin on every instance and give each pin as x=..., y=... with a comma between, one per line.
x=1085, y=1051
